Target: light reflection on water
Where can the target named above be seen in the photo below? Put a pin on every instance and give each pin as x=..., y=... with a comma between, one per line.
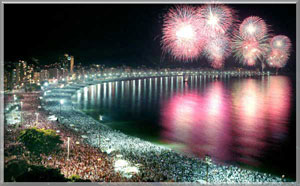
x=229, y=119
x=230, y=124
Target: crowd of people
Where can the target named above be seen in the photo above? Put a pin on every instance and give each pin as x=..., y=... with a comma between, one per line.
x=94, y=148
x=85, y=161
x=158, y=163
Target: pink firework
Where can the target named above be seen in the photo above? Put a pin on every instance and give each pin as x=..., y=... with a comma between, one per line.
x=281, y=42
x=217, y=49
x=280, y=52
x=248, y=51
x=181, y=36
x=253, y=27
x=251, y=42
x=251, y=51
x=217, y=18
x=277, y=58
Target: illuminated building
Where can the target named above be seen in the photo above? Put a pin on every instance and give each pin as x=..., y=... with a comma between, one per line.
x=29, y=74
x=20, y=72
x=44, y=75
x=36, y=77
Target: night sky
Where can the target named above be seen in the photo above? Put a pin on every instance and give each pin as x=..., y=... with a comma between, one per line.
x=112, y=34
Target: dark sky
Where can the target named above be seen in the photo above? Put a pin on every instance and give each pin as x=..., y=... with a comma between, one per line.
x=111, y=34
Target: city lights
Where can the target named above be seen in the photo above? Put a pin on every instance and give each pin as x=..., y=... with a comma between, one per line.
x=190, y=92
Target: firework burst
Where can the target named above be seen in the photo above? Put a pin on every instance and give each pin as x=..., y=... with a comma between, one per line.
x=253, y=27
x=251, y=41
x=277, y=58
x=281, y=42
x=181, y=35
x=189, y=31
x=248, y=51
x=280, y=52
x=216, y=50
x=217, y=18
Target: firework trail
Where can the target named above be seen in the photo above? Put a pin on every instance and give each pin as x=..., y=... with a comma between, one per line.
x=216, y=50
x=181, y=35
x=280, y=52
x=251, y=43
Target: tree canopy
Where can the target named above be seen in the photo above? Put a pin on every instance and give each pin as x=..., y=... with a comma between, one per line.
x=40, y=141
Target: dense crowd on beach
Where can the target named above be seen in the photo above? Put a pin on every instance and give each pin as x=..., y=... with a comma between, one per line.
x=87, y=162
x=95, y=149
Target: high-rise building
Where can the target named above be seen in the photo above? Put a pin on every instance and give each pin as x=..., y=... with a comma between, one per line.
x=29, y=74
x=14, y=77
x=36, y=77
x=44, y=75
x=21, y=72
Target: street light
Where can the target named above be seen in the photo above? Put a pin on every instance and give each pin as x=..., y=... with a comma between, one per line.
x=61, y=103
x=21, y=113
x=68, y=156
x=37, y=117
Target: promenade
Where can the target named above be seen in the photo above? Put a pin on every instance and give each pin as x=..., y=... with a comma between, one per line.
x=99, y=153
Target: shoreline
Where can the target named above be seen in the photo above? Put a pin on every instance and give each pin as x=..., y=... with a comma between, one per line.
x=116, y=142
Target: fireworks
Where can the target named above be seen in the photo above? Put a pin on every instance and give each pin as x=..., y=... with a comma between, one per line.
x=253, y=27
x=216, y=50
x=280, y=52
x=217, y=19
x=181, y=36
x=186, y=30
x=249, y=51
x=250, y=43
x=277, y=58
x=189, y=32
x=281, y=42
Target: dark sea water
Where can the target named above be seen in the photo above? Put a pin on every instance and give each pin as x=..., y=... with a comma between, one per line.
x=246, y=121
